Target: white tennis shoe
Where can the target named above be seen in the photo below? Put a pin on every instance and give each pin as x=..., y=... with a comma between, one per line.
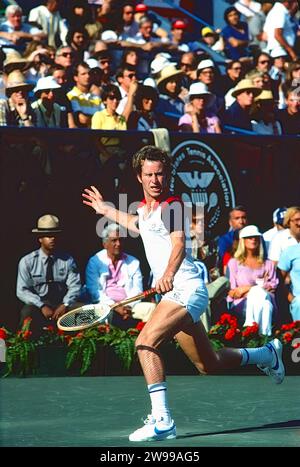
x=153, y=431
x=276, y=368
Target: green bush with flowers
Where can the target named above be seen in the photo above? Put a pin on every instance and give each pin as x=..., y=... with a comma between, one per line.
x=82, y=347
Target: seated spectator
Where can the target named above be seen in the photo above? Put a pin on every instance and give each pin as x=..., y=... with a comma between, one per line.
x=14, y=33
x=237, y=219
x=169, y=102
x=60, y=75
x=289, y=236
x=109, y=119
x=199, y=119
x=289, y=118
x=113, y=275
x=235, y=34
x=257, y=78
x=48, y=113
x=16, y=110
x=212, y=39
x=48, y=18
x=143, y=117
x=278, y=218
x=263, y=115
x=84, y=103
x=78, y=39
x=48, y=281
x=292, y=76
x=289, y=264
x=127, y=83
x=177, y=35
x=253, y=282
x=104, y=60
x=188, y=66
x=238, y=114
x=234, y=73
x=40, y=63
x=129, y=26
x=207, y=74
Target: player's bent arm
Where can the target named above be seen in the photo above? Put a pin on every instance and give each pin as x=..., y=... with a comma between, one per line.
x=93, y=198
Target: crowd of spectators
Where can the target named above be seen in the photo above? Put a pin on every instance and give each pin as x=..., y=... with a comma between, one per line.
x=57, y=70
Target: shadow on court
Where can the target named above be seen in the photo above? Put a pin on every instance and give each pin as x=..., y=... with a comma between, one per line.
x=100, y=412
x=274, y=426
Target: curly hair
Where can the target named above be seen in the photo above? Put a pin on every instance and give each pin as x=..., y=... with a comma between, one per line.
x=151, y=153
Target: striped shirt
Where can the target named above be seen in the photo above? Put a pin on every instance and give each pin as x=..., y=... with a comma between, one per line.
x=84, y=102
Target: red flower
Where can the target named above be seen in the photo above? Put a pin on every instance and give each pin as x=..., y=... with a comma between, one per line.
x=50, y=328
x=140, y=325
x=60, y=332
x=287, y=337
x=27, y=320
x=229, y=334
x=26, y=335
x=3, y=334
x=250, y=330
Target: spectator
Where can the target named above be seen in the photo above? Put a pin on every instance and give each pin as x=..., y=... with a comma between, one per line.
x=60, y=75
x=113, y=275
x=253, y=282
x=178, y=35
x=188, y=65
x=237, y=219
x=212, y=39
x=206, y=74
x=78, y=39
x=16, y=110
x=48, y=281
x=238, y=114
x=127, y=83
x=49, y=19
x=256, y=26
x=234, y=73
x=130, y=25
x=289, y=264
x=289, y=236
x=235, y=35
x=15, y=33
x=105, y=64
x=292, y=76
x=199, y=119
x=281, y=28
x=289, y=118
x=48, y=113
x=143, y=117
x=170, y=105
x=263, y=115
x=84, y=103
x=109, y=119
x=278, y=218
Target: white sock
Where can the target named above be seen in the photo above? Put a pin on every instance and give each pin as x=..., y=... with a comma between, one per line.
x=159, y=403
x=258, y=356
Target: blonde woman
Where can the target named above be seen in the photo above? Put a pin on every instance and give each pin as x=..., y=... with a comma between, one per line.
x=253, y=282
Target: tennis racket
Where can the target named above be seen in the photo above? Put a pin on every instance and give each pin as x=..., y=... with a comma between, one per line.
x=87, y=316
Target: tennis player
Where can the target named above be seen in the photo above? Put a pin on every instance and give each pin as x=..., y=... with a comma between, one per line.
x=184, y=295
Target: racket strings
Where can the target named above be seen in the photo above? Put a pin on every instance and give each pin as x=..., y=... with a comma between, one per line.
x=82, y=317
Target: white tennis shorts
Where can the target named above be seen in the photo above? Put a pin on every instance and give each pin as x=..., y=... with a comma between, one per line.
x=192, y=295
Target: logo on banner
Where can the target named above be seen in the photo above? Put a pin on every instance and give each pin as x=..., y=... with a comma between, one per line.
x=201, y=179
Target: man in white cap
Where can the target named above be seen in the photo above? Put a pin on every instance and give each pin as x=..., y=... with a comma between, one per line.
x=48, y=281
x=47, y=112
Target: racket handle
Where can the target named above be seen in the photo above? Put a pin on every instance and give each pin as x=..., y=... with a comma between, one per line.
x=145, y=294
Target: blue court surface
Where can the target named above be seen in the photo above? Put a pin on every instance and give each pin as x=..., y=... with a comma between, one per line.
x=102, y=411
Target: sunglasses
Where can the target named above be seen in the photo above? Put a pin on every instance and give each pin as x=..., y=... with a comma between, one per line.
x=187, y=65
x=238, y=68
x=104, y=60
x=66, y=54
x=113, y=97
x=130, y=75
x=264, y=61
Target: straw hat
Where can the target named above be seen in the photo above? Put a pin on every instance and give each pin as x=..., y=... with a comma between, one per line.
x=47, y=224
x=200, y=89
x=245, y=85
x=16, y=80
x=168, y=72
x=14, y=61
x=265, y=96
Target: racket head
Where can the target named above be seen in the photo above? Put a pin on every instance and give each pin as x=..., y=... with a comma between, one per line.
x=84, y=317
